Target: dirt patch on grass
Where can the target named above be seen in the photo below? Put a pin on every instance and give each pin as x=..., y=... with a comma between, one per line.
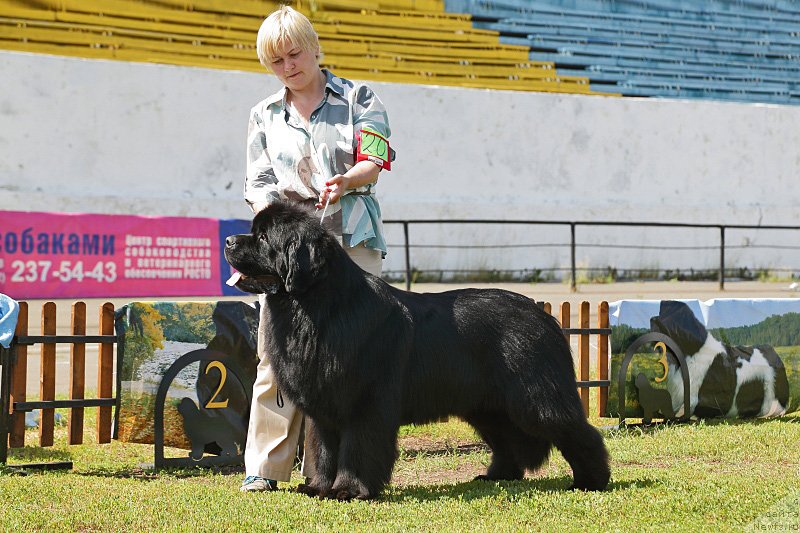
x=468, y=461
x=463, y=472
x=424, y=461
x=414, y=446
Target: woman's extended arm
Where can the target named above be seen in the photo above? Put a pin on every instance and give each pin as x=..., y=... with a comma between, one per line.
x=362, y=173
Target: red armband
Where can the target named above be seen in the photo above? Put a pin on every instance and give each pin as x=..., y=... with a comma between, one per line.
x=372, y=146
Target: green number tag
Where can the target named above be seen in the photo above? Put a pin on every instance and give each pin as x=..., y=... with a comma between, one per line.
x=372, y=146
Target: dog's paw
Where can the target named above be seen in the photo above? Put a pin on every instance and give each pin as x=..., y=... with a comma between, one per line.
x=346, y=495
x=482, y=477
x=341, y=495
x=348, y=491
x=586, y=486
x=309, y=490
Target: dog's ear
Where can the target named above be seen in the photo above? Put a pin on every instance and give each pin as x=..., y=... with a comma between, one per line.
x=297, y=271
x=303, y=266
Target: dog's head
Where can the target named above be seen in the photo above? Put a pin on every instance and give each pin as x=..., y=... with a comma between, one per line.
x=285, y=251
x=676, y=320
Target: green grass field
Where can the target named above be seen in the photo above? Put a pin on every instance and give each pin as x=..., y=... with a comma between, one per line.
x=710, y=475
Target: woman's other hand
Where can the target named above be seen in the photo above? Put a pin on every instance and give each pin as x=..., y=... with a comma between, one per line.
x=334, y=189
x=362, y=173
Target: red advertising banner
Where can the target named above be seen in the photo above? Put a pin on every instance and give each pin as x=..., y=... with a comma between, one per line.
x=58, y=255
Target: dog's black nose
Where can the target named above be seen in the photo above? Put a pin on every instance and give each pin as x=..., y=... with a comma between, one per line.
x=230, y=241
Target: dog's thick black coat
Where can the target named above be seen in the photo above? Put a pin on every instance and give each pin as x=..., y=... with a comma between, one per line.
x=360, y=358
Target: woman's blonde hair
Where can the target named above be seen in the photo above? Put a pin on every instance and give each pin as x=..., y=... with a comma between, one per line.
x=283, y=27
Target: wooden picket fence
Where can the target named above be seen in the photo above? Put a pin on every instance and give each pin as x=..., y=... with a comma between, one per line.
x=16, y=404
x=15, y=365
x=584, y=332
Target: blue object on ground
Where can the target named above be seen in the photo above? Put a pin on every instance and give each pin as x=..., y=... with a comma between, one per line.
x=9, y=311
x=32, y=419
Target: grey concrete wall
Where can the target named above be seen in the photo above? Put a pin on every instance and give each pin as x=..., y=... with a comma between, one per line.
x=114, y=137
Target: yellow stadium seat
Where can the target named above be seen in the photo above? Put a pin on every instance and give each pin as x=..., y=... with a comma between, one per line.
x=405, y=41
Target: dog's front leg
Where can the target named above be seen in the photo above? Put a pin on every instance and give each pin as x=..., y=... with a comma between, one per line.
x=367, y=453
x=322, y=447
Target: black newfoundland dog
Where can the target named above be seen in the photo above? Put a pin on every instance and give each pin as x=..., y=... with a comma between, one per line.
x=360, y=358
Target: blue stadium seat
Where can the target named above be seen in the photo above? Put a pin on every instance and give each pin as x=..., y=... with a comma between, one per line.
x=745, y=50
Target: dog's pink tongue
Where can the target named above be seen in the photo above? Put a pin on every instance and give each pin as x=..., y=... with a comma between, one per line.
x=234, y=279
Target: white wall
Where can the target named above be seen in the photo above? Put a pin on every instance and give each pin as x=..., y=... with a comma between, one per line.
x=114, y=137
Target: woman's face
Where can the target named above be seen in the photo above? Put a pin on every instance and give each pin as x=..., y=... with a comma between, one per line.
x=297, y=69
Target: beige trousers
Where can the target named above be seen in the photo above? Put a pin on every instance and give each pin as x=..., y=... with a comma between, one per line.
x=274, y=429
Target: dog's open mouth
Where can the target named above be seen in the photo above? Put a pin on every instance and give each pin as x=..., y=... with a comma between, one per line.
x=262, y=283
x=235, y=278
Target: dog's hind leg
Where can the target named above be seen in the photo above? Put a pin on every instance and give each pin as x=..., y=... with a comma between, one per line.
x=555, y=414
x=531, y=451
x=582, y=446
x=503, y=437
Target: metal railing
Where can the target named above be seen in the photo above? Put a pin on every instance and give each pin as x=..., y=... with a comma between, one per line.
x=573, y=245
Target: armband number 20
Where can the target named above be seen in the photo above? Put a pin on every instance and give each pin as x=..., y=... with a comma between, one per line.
x=373, y=147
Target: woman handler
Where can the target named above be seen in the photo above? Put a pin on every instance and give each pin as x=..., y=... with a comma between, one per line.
x=321, y=140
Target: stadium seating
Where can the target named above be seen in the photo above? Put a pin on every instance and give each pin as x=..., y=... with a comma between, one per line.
x=744, y=50
x=408, y=41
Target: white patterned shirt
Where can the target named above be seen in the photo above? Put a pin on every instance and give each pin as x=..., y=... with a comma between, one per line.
x=288, y=161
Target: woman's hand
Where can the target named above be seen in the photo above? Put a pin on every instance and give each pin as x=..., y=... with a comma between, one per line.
x=362, y=173
x=334, y=189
